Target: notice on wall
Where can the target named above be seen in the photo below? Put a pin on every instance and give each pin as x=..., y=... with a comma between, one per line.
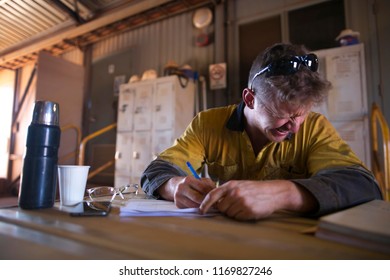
x=346, y=96
x=217, y=74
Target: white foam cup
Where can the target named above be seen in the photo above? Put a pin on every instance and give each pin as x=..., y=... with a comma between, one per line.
x=72, y=180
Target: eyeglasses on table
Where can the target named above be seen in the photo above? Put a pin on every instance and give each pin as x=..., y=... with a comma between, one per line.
x=106, y=193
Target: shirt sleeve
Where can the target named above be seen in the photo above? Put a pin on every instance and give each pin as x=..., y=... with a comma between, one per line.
x=157, y=173
x=339, y=188
x=172, y=161
x=338, y=177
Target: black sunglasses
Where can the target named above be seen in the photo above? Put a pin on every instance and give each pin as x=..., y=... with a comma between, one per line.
x=289, y=65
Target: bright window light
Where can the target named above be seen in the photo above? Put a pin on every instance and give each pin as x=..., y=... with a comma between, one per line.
x=6, y=104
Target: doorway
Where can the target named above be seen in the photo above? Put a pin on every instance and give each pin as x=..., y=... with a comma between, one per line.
x=255, y=37
x=7, y=81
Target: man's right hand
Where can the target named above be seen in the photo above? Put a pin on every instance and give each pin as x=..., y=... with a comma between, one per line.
x=186, y=192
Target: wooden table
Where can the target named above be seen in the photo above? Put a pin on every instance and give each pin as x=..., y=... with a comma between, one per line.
x=52, y=234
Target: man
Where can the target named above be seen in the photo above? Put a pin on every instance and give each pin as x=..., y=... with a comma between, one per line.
x=270, y=151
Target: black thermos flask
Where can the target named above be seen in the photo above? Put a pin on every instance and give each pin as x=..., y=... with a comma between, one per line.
x=39, y=176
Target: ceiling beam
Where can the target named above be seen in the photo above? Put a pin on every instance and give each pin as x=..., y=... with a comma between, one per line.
x=137, y=8
x=74, y=15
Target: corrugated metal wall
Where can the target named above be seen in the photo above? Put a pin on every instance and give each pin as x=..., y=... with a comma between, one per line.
x=152, y=46
x=75, y=56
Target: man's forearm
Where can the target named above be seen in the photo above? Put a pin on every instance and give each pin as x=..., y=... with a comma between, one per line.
x=167, y=190
x=300, y=200
x=339, y=188
x=157, y=174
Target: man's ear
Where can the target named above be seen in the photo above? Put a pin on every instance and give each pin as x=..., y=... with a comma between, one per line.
x=249, y=97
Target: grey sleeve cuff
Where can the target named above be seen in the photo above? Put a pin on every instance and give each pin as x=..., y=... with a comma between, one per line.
x=339, y=188
x=156, y=174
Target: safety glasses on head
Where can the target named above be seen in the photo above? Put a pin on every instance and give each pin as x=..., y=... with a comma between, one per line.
x=288, y=65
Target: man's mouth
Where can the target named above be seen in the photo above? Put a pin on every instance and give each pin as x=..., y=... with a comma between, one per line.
x=278, y=132
x=282, y=130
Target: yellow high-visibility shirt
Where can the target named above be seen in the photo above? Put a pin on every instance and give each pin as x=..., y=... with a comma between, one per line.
x=216, y=137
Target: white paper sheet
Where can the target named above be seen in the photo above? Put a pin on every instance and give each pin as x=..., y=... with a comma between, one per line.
x=154, y=207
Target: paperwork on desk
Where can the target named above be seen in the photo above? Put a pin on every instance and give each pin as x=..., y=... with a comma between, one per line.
x=154, y=207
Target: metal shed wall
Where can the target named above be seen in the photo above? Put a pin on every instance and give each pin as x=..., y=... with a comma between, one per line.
x=152, y=46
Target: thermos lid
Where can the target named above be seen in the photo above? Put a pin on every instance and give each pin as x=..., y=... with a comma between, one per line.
x=46, y=112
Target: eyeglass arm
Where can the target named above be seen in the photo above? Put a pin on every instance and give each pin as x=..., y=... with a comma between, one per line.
x=258, y=74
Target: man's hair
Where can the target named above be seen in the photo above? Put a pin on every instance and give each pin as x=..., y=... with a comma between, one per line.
x=302, y=87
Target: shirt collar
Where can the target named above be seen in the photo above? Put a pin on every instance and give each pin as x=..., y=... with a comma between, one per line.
x=236, y=120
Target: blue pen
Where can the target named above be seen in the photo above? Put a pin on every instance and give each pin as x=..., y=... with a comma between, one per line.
x=193, y=170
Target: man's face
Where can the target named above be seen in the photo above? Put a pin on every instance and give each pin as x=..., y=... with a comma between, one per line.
x=277, y=120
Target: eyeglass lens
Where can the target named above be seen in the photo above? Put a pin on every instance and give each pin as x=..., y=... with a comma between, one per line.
x=311, y=61
x=111, y=193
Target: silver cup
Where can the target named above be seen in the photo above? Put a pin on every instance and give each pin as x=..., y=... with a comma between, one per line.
x=46, y=112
